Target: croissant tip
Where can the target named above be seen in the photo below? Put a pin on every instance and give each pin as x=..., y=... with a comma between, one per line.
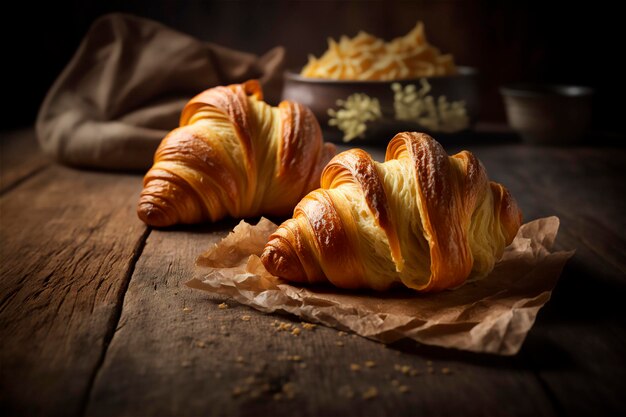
x=153, y=215
x=282, y=262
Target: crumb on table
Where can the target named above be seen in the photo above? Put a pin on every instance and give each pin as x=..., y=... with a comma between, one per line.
x=370, y=393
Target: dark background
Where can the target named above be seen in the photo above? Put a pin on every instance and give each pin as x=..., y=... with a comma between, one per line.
x=508, y=41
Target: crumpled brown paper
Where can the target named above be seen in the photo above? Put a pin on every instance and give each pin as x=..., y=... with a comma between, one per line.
x=492, y=315
x=126, y=86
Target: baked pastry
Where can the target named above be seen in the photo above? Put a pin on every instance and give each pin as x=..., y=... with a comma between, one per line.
x=234, y=155
x=421, y=219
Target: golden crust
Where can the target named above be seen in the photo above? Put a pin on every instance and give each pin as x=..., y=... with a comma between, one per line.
x=506, y=210
x=356, y=165
x=233, y=155
x=321, y=242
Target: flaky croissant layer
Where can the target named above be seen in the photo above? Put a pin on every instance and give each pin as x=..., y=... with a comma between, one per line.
x=421, y=219
x=234, y=155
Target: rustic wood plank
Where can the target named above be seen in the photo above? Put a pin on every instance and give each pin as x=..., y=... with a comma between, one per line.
x=578, y=344
x=68, y=241
x=20, y=157
x=176, y=353
x=167, y=358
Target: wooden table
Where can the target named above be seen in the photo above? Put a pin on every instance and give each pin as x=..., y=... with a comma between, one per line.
x=95, y=318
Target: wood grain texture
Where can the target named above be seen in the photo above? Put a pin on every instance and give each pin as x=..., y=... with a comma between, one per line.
x=67, y=242
x=20, y=158
x=176, y=353
x=577, y=346
x=68, y=245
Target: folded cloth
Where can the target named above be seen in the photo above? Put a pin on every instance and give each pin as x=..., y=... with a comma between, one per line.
x=126, y=85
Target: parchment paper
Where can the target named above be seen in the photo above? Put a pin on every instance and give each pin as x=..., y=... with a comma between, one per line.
x=492, y=315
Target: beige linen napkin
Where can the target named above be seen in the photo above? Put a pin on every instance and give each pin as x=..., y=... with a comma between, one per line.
x=126, y=85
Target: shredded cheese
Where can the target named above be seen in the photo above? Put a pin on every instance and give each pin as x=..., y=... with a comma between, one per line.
x=366, y=57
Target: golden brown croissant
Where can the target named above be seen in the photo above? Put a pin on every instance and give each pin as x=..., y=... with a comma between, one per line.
x=234, y=155
x=421, y=219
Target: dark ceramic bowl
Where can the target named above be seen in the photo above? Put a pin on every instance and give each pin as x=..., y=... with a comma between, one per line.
x=548, y=114
x=399, y=110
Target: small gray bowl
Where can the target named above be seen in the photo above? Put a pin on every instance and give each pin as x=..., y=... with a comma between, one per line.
x=548, y=114
x=320, y=95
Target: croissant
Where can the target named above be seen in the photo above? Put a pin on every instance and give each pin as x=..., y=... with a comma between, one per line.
x=234, y=155
x=420, y=219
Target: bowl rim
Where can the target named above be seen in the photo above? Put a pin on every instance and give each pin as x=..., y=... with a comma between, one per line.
x=463, y=71
x=545, y=90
